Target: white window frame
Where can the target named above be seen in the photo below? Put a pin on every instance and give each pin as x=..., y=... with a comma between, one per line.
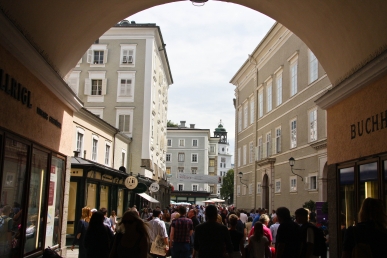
x=194, y=170
x=238, y=190
x=269, y=96
x=277, y=141
x=125, y=111
x=244, y=154
x=293, y=184
x=94, y=155
x=293, y=133
x=197, y=187
x=313, y=66
x=260, y=103
x=123, y=162
x=107, y=155
x=252, y=107
x=170, y=157
x=251, y=152
x=130, y=61
x=212, y=148
x=313, y=177
x=180, y=169
x=240, y=119
x=312, y=119
x=73, y=81
x=293, y=74
x=277, y=186
x=179, y=156
x=259, y=187
x=239, y=157
x=250, y=188
x=244, y=190
x=178, y=187
x=194, y=158
x=245, y=115
x=197, y=143
x=95, y=75
x=126, y=75
x=98, y=111
x=259, y=149
x=268, y=144
x=169, y=142
x=181, y=141
x=82, y=132
x=279, y=88
x=90, y=54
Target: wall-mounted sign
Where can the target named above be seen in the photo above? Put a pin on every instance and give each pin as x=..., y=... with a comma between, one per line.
x=192, y=178
x=131, y=182
x=369, y=125
x=14, y=89
x=154, y=187
x=141, y=188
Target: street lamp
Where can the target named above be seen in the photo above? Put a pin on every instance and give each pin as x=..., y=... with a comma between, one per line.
x=292, y=161
x=240, y=175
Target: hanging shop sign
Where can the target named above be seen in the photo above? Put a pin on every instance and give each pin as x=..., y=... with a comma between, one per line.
x=141, y=188
x=192, y=178
x=131, y=182
x=154, y=187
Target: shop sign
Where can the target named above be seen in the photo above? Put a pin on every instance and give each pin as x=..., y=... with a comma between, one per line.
x=141, y=188
x=131, y=182
x=107, y=178
x=369, y=125
x=14, y=89
x=154, y=187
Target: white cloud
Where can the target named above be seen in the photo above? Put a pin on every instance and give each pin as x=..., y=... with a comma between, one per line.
x=205, y=46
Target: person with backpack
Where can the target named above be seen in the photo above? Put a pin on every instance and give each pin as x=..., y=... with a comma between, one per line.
x=313, y=240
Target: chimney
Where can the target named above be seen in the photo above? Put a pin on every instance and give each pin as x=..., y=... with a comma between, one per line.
x=182, y=124
x=192, y=126
x=76, y=153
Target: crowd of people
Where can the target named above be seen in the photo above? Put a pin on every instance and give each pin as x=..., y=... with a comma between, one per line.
x=215, y=231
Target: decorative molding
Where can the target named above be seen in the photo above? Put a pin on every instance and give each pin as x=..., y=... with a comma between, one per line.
x=322, y=144
x=266, y=161
x=357, y=81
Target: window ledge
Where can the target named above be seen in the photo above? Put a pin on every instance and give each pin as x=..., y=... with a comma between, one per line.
x=95, y=98
x=97, y=65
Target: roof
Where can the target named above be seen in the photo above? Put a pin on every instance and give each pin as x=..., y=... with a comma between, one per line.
x=78, y=162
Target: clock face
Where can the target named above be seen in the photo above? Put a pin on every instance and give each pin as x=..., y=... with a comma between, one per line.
x=131, y=182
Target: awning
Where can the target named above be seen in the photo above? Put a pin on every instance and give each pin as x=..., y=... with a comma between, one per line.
x=148, y=198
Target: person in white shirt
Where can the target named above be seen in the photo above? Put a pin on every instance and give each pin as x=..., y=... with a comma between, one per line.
x=243, y=217
x=157, y=227
x=274, y=228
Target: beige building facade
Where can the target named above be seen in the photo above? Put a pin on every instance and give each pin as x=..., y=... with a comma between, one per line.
x=276, y=119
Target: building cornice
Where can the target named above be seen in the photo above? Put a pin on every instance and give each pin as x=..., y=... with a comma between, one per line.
x=14, y=42
x=322, y=144
x=362, y=78
x=266, y=161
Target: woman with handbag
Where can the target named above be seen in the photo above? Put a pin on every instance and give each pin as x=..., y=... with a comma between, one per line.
x=132, y=237
x=80, y=232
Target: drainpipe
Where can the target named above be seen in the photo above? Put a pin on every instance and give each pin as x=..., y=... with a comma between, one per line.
x=114, y=144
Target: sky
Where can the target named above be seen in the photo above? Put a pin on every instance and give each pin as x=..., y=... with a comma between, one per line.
x=206, y=46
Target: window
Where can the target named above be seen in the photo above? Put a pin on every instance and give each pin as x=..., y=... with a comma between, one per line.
x=181, y=157
x=168, y=170
x=169, y=142
x=94, y=149
x=195, y=188
x=168, y=157
x=181, y=142
x=259, y=149
x=260, y=103
x=95, y=86
x=107, y=154
x=212, y=189
x=194, y=157
x=293, y=134
x=181, y=187
x=240, y=119
x=97, y=55
x=238, y=190
x=259, y=188
x=293, y=184
x=126, y=86
x=252, y=107
x=73, y=81
x=243, y=190
x=180, y=169
x=98, y=111
x=80, y=134
x=123, y=158
x=250, y=188
x=212, y=162
x=268, y=144
x=124, y=120
x=269, y=96
x=312, y=182
x=278, y=185
x=313, y=125
x=194, y=143
x=212, y=148
x=251, y=152
x=313, y=67
x=194, y=170
x=239, y=157
x=277, y=145
x=279, y=88
x=127, y=58
x=246, y=113
x=293, y=77
x=244, y=154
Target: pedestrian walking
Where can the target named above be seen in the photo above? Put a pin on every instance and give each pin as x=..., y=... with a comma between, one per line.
x=181, y=231
x=80, y=232
x=258, y=243
x=288, y=239
x=157, y=228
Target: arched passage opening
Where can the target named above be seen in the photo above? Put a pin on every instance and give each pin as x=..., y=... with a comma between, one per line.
x=265, y=192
